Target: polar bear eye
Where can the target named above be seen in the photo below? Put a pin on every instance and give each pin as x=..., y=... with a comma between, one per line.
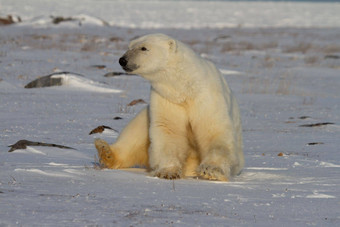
x=143, y=49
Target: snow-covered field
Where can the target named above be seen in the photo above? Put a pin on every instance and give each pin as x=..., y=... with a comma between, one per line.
x=282, y=61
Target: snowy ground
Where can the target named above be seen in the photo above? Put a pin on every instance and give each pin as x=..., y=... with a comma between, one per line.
x=284, y=75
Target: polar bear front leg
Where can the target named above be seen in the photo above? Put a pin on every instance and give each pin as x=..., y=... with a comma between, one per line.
x=217, y=161
x=216, y=142
x=169, y=147
x=215, y=165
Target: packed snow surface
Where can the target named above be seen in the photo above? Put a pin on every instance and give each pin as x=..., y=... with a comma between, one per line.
x=282, y=61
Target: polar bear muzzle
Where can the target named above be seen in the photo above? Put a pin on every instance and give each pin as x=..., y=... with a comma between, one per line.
x=123, y=61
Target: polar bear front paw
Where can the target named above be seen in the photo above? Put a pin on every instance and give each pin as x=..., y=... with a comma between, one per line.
x=171, y=173
x=106, y=156
x=213, y=172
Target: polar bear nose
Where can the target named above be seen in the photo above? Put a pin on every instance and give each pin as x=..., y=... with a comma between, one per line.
x=122, y=61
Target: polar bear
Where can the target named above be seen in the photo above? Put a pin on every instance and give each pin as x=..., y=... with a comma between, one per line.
x=191, y=127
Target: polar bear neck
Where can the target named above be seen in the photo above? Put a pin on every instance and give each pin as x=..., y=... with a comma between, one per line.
x=173, y=95
x=184, y=77
x=180, y=83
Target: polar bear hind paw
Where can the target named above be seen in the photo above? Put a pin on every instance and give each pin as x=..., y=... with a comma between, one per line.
x=211, y=172
x=106, y=157
x=168, y=173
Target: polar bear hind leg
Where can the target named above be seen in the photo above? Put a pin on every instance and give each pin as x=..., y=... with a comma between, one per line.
x=131, y=147
x=106, y=156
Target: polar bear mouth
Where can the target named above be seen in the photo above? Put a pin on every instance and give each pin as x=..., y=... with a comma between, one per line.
x=130, y=68
x=126, y=69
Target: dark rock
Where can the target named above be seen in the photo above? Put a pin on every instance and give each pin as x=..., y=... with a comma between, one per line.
x=304, y=117
x=58, y=20
x=45, y=81
x=317, y=124
x=113, y=74
x=116, y=39
x=136, y=101
x=48, y=81
x=332, y=56
x=9, y=20
x=99, y=66
x=22, y=144
x=314, y=143
x=101, y=129
x=222, y=38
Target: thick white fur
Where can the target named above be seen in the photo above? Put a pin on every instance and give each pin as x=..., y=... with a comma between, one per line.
x=192, y=125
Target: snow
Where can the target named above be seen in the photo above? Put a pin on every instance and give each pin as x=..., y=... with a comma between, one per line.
x=180, y=14
x=275, y=57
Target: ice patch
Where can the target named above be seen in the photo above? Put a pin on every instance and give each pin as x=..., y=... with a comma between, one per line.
x=266, y=168
x=296, y=164
x=110, y=133
x=317, y=195
x=279, y=195
x=29, y=150
x=329, y=165
x=230, y=72
x=57, y=164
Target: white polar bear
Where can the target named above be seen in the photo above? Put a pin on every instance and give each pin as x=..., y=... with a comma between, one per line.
x=192, y=126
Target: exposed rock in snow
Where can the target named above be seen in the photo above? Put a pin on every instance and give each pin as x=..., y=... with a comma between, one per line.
x=72, y=80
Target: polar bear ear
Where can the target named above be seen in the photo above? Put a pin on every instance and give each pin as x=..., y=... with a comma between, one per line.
x=172, y=45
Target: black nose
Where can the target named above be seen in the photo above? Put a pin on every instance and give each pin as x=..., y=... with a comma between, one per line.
x=122, y=61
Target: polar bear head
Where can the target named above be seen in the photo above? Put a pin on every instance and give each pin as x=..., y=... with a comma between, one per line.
x=148, y=54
